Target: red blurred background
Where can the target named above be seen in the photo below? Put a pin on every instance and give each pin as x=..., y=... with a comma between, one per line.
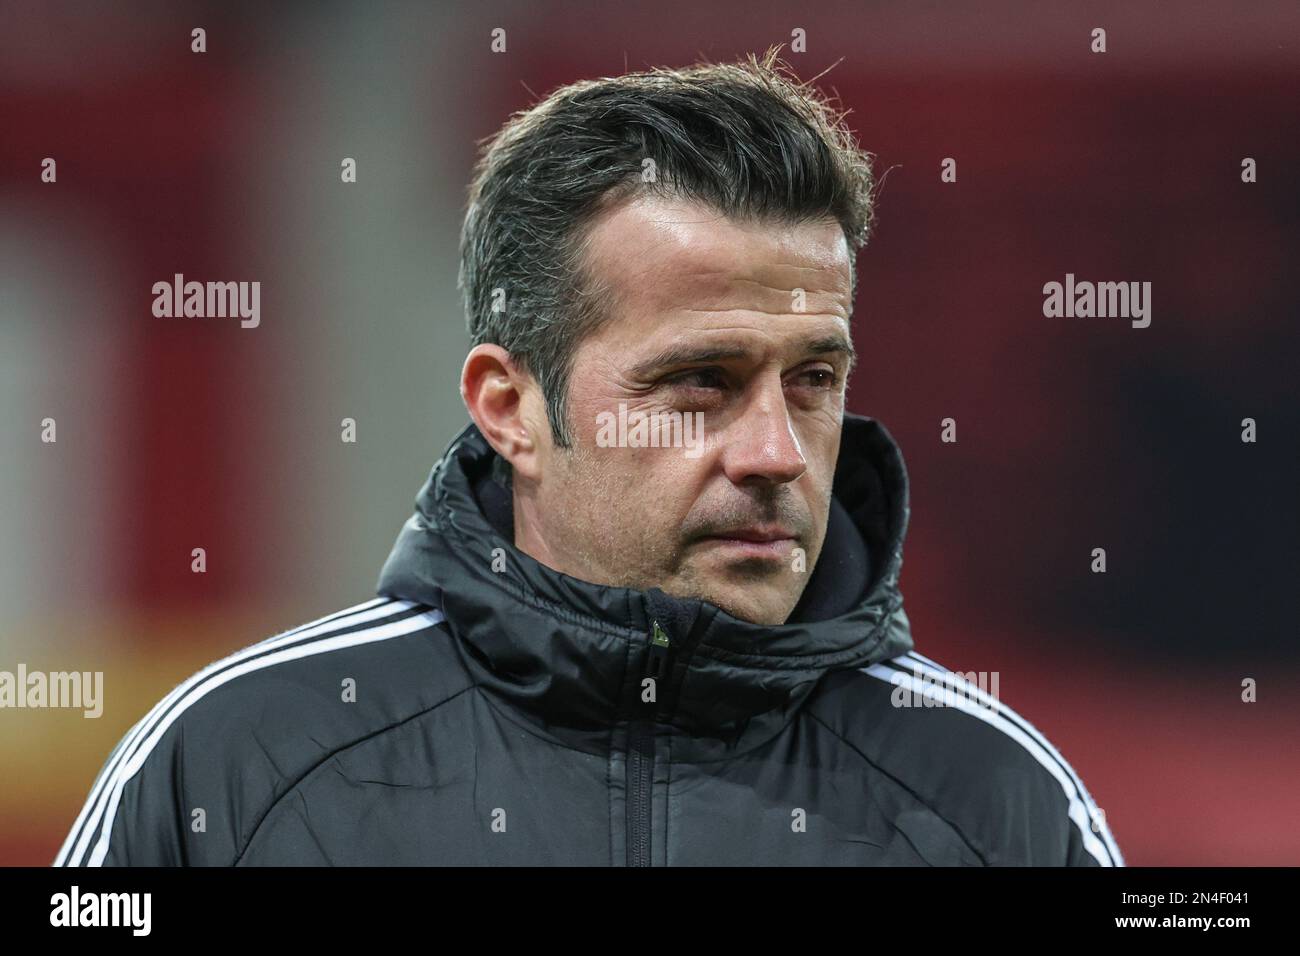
x=1072, y=433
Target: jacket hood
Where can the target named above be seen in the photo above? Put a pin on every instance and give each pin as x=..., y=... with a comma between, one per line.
x=569, y=657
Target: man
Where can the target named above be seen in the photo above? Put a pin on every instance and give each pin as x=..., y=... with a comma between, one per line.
x=647, y=610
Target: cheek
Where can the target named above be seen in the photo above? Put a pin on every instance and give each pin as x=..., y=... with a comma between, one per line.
x=820, y=435
x=821, y=447
x=659, y=486
x=618, y=479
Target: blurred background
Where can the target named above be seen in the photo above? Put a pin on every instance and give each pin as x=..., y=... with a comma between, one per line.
x=1072, y=433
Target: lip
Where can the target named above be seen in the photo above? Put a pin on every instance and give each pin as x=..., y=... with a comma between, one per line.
x=758, y=533
x=773, y=543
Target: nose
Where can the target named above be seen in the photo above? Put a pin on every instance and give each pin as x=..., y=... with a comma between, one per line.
x=761, y=446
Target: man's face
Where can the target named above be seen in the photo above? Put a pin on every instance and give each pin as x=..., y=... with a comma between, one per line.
x=743, y=329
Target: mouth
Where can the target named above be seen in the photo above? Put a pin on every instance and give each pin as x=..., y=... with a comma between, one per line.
x=772, y=543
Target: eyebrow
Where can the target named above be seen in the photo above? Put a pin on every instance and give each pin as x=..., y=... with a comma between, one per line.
x=689, y=354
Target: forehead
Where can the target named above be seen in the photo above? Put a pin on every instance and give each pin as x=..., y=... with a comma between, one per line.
x=655, y=254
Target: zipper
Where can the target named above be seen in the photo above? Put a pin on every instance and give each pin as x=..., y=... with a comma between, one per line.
x=641, y=750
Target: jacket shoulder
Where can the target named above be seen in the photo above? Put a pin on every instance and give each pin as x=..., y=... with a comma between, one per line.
x=189, y=783
x=971, y=758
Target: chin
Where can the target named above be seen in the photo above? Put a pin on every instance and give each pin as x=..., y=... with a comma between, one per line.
x=744, y=611
x=731, y=597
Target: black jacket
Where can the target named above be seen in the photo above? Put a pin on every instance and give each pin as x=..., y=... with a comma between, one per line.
x=487, y=709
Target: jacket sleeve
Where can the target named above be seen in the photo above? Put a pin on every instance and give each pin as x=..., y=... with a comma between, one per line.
x=1092, y=843
x=133, y=815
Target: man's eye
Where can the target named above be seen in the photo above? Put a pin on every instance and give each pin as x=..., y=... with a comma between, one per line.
x=699, y=378
x=822, y=378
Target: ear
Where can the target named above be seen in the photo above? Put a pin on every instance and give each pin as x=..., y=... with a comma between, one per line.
x=502, y=399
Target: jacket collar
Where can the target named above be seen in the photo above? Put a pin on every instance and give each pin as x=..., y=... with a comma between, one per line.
x=568, y=656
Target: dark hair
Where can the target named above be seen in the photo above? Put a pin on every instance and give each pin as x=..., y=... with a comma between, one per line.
x=747, y=138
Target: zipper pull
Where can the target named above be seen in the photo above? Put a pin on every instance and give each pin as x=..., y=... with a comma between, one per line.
x=659, y=648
